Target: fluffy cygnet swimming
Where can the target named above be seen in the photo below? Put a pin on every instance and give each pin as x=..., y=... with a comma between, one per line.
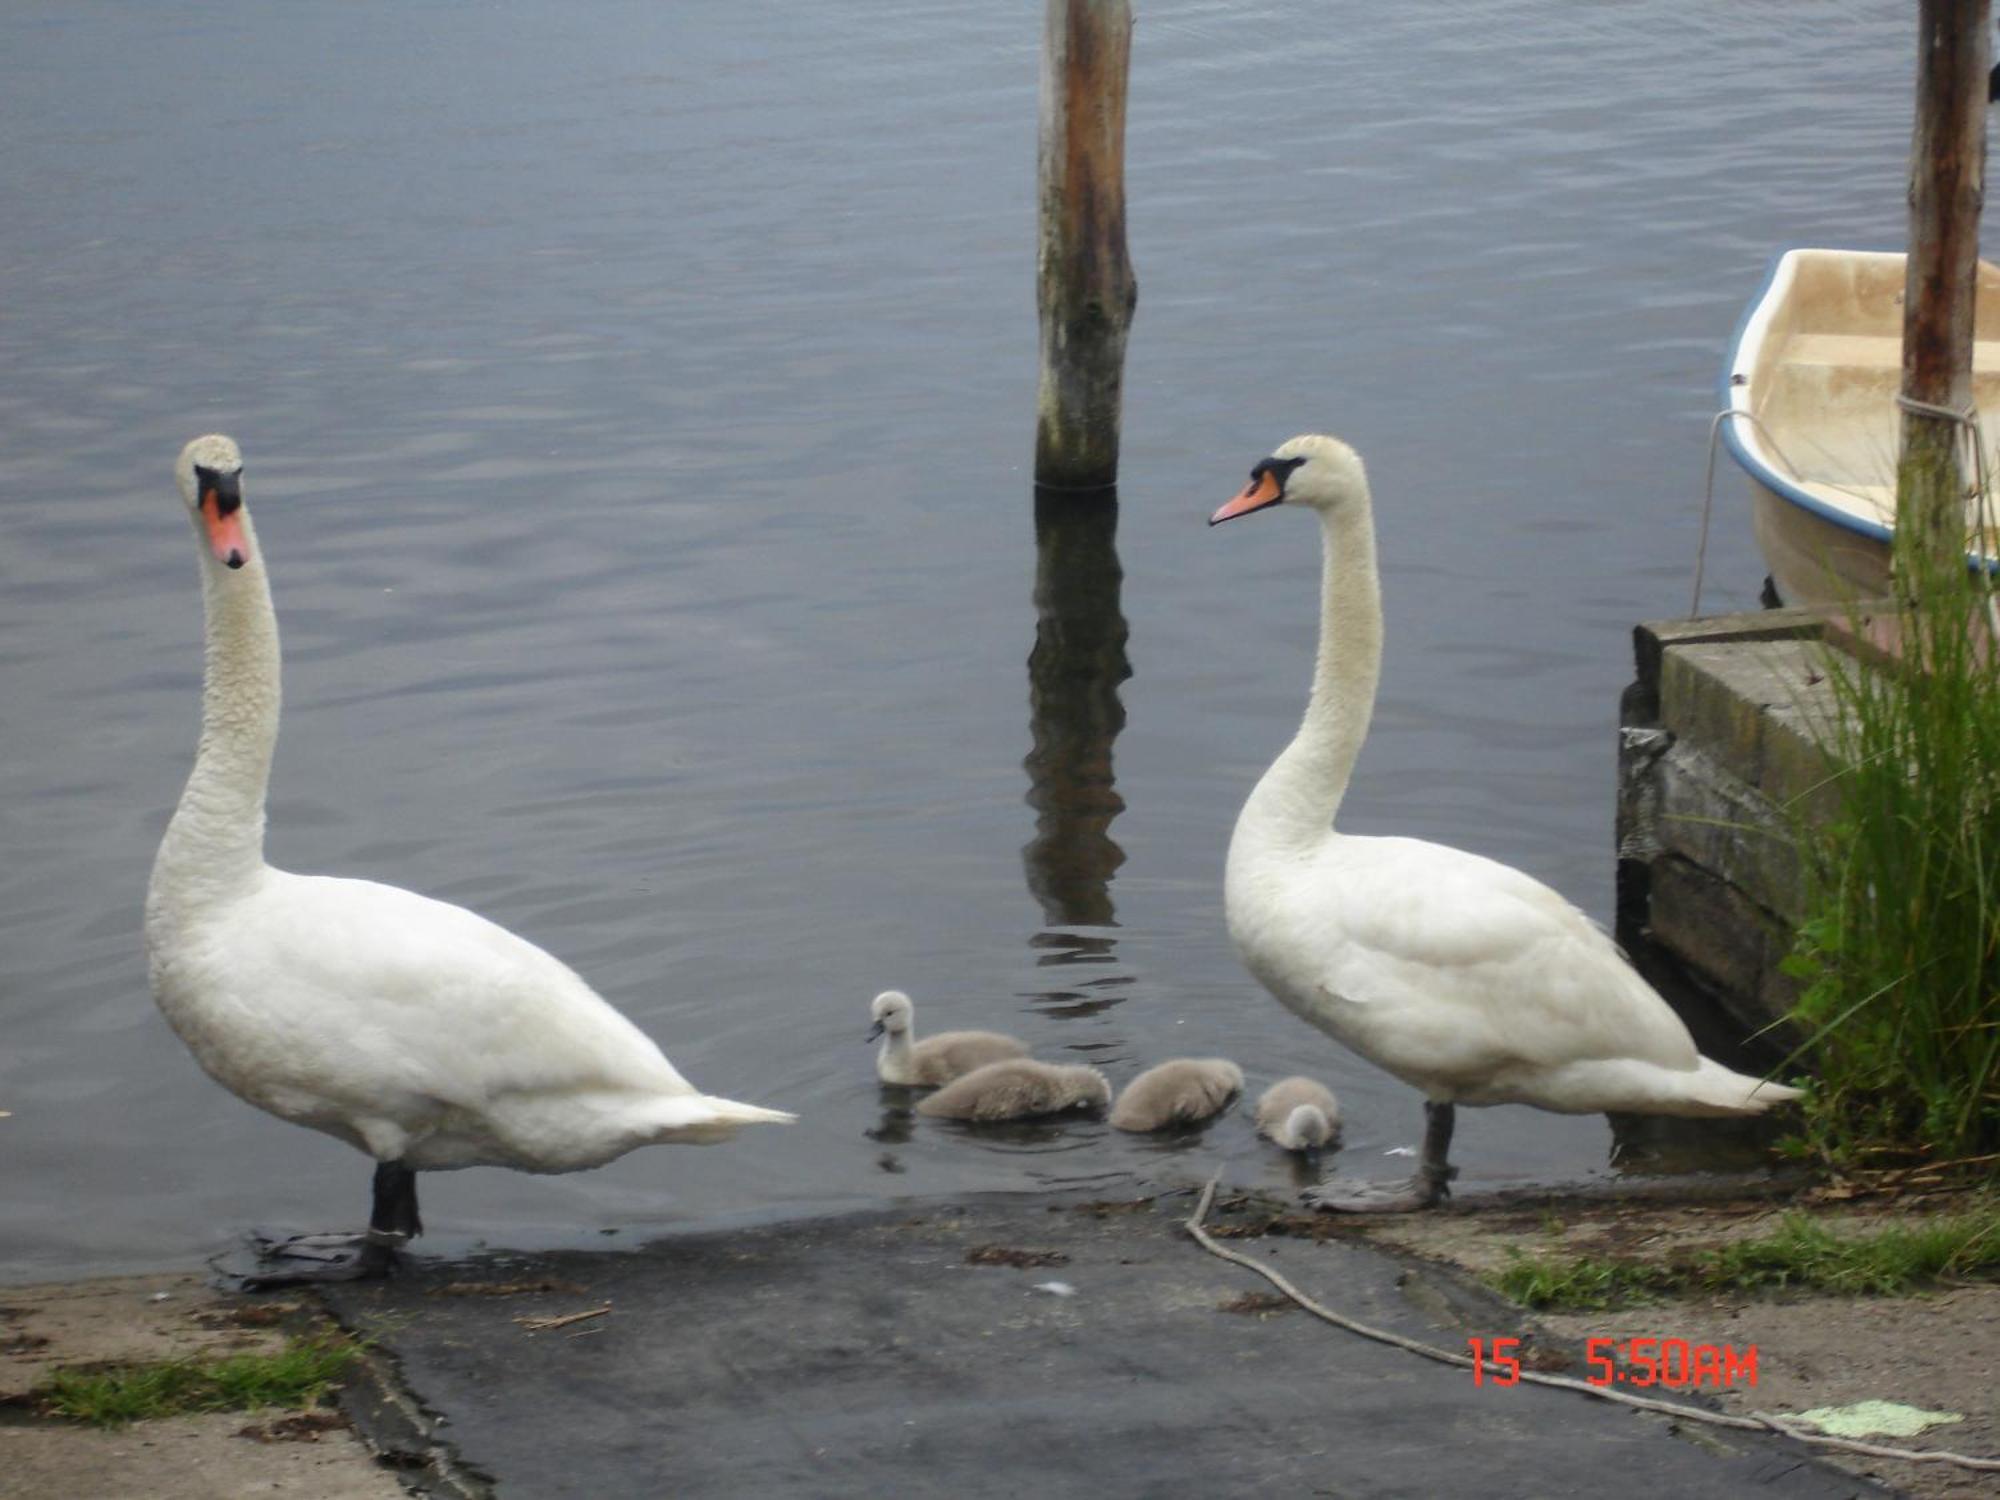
x=1181, y=1091
x=1299, y=1114
x=1018, y=1088
x=934, y=1060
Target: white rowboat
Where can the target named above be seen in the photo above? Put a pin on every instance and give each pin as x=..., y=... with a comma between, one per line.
x=1810, y=387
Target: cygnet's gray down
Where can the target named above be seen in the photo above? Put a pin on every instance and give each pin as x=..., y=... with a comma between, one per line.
x=1299, y=1114
x=936, y=1059
x=1017, y=1089
x=1180, y=1091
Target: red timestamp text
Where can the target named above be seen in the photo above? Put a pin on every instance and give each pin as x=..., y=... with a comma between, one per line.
x=1676, y=1364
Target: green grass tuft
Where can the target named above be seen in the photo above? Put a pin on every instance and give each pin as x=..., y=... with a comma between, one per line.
x=1899, y=952
x=1581, y=1281
x=1801, y=1254
x=297, y=1376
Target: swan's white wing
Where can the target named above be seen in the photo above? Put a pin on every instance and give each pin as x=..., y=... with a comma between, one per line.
x=1451, y=967
x=373, y=990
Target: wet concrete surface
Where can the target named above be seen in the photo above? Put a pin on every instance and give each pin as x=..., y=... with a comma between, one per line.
x=1005, y=1346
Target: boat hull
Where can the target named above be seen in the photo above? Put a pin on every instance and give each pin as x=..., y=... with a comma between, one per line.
x=1811, y=560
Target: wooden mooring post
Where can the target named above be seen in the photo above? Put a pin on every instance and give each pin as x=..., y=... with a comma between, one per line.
x=1947, y=185
x=1085, y=287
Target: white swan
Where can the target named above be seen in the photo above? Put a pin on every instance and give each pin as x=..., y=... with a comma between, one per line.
x=936, y=1059
x=416, y=1031
x=1298, y=1114
x=1179, y=1091
x=1467, y=979
x=1018, y=1088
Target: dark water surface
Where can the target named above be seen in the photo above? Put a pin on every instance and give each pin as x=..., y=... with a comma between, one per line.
x=637, y=401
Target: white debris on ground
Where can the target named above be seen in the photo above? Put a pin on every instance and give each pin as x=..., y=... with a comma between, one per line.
x=1870, y=1418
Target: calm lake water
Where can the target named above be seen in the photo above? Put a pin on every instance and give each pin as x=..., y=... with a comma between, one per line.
x=637, y=402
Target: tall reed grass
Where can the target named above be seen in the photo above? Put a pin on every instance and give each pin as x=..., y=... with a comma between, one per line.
x=1900, y=953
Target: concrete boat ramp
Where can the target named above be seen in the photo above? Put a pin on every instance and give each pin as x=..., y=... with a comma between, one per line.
x=1009, y=1346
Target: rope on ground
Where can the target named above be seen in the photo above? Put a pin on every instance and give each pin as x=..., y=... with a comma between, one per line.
x=1755, y=1421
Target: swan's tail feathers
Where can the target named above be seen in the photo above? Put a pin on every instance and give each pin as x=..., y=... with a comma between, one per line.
x=703, y=1120
x=748, y=1114
x=1715, y=1090
x=1768, y=1093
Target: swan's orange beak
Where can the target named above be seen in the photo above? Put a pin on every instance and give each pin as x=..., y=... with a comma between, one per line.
x=1262, y=490
x=222, y=518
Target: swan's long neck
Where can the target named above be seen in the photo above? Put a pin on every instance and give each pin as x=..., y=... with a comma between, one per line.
x=1291, y=811
x=215, y=842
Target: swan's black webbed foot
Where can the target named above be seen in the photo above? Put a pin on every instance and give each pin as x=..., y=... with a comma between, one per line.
x=305, y=1259
x=1353, y=1195
x=1430, y=1186
x=264, y=1262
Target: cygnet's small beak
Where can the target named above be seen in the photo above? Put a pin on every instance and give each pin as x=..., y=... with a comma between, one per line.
x=222, y=516
x=876, y=1030
x=1262, y=490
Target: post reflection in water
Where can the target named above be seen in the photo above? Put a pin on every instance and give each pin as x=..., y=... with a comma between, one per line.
x=1074, y=671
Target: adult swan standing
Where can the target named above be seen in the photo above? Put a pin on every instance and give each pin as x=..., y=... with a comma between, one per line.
x=1465, y=978
x=414, y=1030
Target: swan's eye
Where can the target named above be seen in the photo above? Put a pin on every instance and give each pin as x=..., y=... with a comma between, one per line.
x=1280, y=470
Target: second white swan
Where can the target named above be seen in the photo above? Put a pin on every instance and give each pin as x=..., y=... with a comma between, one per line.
x=1466, y=978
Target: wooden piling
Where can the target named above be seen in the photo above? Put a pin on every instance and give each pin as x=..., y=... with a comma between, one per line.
x=1085, y=287
x=1947, y=185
